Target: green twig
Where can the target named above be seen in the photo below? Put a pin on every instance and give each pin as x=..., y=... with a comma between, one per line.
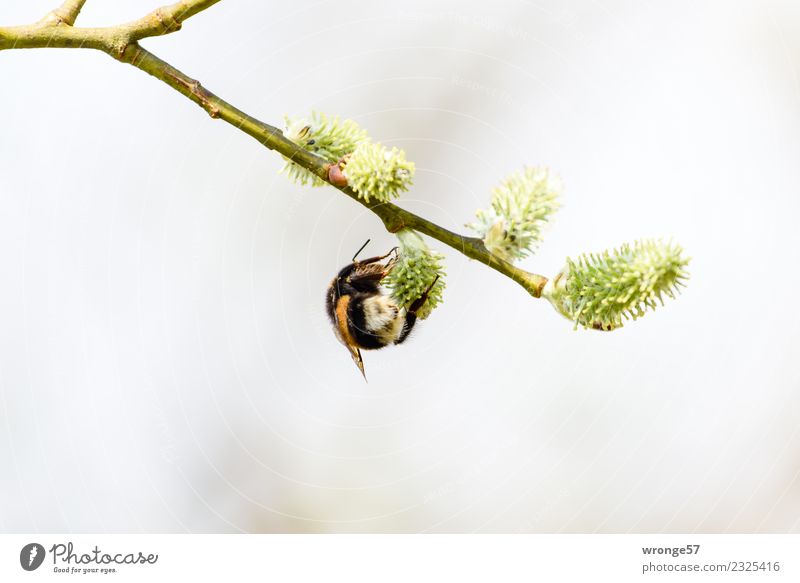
x=121, y=42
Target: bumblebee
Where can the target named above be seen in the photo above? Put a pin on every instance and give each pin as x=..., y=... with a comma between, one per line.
x=363, y=317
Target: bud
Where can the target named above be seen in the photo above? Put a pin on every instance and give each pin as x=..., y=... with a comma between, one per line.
x=599, y=290
x=520, y=208
x=416, y=269
x=326, y=136
x=375, y=171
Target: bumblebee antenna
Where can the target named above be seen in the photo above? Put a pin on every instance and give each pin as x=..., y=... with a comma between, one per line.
x=360, y=250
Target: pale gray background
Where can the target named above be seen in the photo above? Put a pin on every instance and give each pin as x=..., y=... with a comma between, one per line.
x=165, y=361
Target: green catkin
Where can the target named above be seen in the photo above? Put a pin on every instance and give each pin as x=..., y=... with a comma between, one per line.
x=600, y=290
x=416, y=269
x=373, y=171
x=521, y=206
x=327, y=136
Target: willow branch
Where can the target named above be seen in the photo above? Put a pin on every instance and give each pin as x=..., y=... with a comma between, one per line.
x=121, y=42
x=66, y=14
x=110, y=39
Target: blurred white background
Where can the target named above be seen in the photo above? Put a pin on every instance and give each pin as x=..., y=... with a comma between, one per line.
x=165, y=360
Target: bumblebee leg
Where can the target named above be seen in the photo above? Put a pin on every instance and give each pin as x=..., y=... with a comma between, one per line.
x=411, y=314
x=377, y=258
x=420, y=301
x=408, y=325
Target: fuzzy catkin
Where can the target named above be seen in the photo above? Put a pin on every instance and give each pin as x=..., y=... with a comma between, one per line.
x=521, y=206
x=600, y=290
x=416, y=269
x=374, y=171
x=324, y=135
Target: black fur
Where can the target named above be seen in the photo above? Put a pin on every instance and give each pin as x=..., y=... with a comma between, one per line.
x=361, y=280
x=359, y=286
x=356, y=317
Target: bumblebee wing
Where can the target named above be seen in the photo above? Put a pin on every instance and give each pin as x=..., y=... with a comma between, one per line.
x=355, y=353
x=373, y=271
x=343, y=333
